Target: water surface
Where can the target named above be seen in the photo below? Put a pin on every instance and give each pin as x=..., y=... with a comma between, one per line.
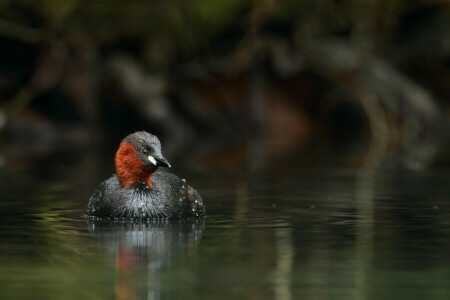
x=311, y=232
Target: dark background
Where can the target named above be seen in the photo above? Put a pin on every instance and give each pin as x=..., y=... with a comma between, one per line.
x=218, y=81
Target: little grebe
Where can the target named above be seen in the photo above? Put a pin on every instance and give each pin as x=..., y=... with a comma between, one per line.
x=140, y=190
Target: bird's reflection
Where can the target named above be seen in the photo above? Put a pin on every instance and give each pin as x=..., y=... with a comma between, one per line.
x=142, y=250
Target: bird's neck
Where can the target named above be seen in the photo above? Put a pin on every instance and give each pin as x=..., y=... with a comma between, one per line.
x=130, y=169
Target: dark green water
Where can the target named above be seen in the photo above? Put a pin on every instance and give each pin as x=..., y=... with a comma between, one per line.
x=295, y=233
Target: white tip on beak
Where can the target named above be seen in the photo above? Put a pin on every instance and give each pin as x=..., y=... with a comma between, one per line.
x=152, y=160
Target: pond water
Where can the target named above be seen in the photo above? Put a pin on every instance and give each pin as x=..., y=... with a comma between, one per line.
x=297, y=232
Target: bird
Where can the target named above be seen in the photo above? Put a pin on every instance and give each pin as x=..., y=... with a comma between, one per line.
x=140, y=189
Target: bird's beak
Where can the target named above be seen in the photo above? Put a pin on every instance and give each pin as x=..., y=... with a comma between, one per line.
x=159, y=161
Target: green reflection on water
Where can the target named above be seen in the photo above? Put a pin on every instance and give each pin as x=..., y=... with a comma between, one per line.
x=323, y=234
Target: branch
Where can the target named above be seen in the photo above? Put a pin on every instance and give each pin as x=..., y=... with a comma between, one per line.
x=20, y=33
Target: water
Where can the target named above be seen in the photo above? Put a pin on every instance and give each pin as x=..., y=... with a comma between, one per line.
x=295, y=232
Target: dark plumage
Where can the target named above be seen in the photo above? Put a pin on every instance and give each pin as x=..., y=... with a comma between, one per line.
x=140, y=190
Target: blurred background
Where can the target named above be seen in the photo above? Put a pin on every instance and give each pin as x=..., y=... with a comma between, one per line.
x=316, y=131
x=359, y=76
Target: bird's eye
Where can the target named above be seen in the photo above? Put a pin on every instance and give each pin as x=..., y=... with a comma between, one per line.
x=144, y=151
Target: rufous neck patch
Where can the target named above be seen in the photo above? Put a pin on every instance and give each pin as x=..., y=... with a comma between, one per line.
x=129, y=168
